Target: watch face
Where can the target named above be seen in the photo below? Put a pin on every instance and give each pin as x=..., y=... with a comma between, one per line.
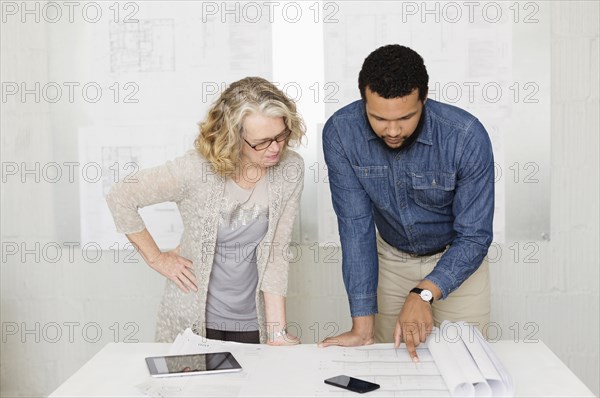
x=426, y=295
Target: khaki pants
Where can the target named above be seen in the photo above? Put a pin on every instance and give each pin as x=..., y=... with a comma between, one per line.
x=399, y=272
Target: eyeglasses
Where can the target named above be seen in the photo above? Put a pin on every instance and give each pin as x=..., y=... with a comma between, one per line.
x=261, y=146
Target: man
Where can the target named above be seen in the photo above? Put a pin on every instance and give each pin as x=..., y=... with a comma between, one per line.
x=422, y=174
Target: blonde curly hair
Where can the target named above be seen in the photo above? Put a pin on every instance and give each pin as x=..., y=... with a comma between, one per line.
x=220, y=139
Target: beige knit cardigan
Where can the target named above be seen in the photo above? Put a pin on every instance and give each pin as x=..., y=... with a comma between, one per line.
x=191, y=183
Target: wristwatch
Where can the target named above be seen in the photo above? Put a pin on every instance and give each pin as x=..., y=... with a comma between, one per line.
x=425, y=294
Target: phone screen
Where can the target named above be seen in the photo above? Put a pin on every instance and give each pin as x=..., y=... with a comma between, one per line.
x=181, y=365
x=352, y=384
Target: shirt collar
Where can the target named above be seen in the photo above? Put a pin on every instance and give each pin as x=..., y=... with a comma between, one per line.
x=426, y=136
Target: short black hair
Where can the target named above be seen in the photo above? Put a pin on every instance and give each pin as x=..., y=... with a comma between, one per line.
x=393, y=71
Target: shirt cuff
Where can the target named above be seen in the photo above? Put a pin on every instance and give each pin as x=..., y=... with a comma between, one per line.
x=363, y=306
x=442, y=281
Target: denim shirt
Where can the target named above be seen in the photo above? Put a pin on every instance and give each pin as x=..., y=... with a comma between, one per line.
x=438, y=192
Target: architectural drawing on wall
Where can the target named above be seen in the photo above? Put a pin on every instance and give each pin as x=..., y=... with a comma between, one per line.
x=202, y=37
x=111, y=153
x=115, y=155
x=242, y=42
x=227, y=47
x=189, y=61
x=146, y=46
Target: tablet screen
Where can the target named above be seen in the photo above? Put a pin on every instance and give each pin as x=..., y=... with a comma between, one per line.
x=192, y=364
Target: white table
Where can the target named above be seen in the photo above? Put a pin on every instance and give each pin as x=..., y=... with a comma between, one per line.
x=119, y=367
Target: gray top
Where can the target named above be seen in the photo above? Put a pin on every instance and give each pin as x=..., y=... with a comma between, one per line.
x=243, y=222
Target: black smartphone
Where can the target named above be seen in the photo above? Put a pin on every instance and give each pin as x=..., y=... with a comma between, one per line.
x=352, y=384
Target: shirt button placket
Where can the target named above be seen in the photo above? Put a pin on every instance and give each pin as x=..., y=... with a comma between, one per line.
x=401, y=195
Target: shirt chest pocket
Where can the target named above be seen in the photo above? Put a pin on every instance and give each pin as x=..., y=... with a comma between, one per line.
x=433, y=189
x=374, y=180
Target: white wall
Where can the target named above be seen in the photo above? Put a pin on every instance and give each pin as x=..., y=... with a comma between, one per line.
x=571, y=304
x=56, y=309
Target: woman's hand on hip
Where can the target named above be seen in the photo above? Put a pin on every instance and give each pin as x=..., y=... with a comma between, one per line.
x=176, y=268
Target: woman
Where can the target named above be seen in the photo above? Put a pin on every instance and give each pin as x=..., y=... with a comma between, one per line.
x=237, y=193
